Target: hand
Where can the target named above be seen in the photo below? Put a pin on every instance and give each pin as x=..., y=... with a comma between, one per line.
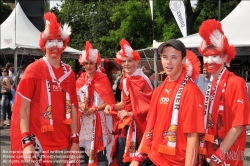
x=107, y=109
x=29, y=155
x=83, y=107
x=212, y=163
x=74, y=153
x=121, y=114
x=89, y=111
x=134, y=163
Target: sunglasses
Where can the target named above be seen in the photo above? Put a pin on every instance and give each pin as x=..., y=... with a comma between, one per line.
x=4, y=70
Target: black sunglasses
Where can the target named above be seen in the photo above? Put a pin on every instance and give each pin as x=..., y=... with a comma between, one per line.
x=4, y=70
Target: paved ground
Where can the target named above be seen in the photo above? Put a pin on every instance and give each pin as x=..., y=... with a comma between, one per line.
x=5, y=147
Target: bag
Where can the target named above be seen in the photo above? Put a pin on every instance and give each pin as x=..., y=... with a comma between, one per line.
x=10, y=95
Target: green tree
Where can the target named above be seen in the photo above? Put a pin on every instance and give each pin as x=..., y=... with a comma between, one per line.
x=5, y=11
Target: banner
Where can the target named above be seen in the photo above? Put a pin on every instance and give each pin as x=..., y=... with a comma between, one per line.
x=178, y=9
x=151, y=2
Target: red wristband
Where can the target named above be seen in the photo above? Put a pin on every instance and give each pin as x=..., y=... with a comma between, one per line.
x=139, y=156
x=75, y=138
x=217, y=157
x=112, y=106
x=95, y=107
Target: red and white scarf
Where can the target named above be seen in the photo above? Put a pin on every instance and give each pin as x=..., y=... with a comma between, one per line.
x=46, y=108
x=213, y=107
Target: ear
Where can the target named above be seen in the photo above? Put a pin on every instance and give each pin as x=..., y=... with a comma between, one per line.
x=224, y=58
x=183, y=60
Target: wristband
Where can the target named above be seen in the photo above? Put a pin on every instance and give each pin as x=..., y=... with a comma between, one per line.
x=95, y=107
x=27, y=139
x=112, y=106
x=216, y=157
x=139, y=156
x=75, y=138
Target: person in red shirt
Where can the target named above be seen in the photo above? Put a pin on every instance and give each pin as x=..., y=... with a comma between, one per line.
x=135, y=99
x=94, y=92
x=175, y=117
x=44, y=123
x=226, y=100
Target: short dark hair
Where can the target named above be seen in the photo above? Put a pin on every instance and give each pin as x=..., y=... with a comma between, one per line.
x=177, y=44
x=148, y=72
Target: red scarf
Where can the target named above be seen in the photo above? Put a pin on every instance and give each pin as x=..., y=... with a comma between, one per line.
x=101, y=85
x=157, y=132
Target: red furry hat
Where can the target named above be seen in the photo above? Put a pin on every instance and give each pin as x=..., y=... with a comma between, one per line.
x=53, y=28
x=192, y=65
x=213, y=35
x=126, y=51
x=90, y=54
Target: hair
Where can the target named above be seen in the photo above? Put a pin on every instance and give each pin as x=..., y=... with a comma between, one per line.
x=148, y=72
x=8, y=65
x=183, y=55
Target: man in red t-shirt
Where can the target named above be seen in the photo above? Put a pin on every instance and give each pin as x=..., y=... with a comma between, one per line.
x=175, y=117
x=44, y=123
x=135, y=99
x=226, y=100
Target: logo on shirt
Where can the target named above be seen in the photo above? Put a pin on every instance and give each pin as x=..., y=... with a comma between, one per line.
x=166, y=90
x=56, y=88
x=164, y=100
x=240, y=101
x=171, y=133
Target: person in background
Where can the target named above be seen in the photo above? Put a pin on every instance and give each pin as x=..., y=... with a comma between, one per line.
x=117, y=89
x=94, y=93
x=175, y=117
x=203, y=80
x=44, y=124
x=20, y=74
x=5, y=90
x=226, y=103
x=81, y=70
x=132, y=110
x=151, y=75
x=10, y=68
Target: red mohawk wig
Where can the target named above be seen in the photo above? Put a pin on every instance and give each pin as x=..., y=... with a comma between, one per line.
x=213, y=35
x=53, y=28
x=126, y=51
x=90, y=54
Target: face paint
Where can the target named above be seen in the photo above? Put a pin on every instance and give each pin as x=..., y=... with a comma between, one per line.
x=212, y=63
x=54, y=43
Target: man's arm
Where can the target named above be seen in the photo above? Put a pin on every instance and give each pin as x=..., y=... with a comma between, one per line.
x=191, y=149
x=231, y=137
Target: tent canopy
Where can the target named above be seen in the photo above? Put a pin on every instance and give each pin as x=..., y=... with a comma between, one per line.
x=18, y=33
x=236, y=27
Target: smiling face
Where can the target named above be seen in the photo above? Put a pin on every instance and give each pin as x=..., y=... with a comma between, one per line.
x=129, y=65
x=172, y=61
x=90, y=68
x=54, y=46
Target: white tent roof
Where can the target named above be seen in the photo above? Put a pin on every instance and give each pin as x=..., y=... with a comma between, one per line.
x=18, y=32
x=236, y=27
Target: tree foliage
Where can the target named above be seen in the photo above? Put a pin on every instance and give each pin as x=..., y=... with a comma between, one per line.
x=105, y=22
x=5, y=11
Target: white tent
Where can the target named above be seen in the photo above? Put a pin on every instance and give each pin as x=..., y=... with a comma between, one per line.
x=20, y=36
x=236, y=27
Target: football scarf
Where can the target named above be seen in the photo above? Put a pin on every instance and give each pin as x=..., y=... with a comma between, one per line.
x=46, y=108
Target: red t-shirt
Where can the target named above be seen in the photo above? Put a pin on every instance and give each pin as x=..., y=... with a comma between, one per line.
x=190, y=120
x=236, y=113
x=30, y=89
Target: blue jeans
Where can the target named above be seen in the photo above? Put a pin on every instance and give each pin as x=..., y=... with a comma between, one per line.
x=4, y=106
x=120, y=151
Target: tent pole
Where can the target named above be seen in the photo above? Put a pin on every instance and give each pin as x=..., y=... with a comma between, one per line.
x=15, y=61
x=155, y=68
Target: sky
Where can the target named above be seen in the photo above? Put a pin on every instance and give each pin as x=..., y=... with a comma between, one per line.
x=54, y=2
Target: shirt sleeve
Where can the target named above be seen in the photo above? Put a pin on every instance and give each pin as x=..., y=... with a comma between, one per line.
x=192, y=113
x=240, y=104
x=26, y=88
